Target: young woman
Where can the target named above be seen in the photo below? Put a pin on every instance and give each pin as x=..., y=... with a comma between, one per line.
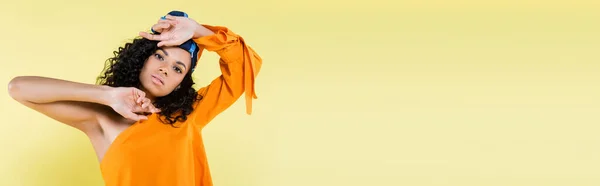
x=143, y=117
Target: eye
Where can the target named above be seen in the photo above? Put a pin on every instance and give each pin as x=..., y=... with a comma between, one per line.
x=177, y=69
x=158, y=56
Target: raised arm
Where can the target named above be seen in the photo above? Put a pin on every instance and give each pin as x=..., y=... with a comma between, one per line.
x=72, y=103
x=239, y=65
x=68, y=102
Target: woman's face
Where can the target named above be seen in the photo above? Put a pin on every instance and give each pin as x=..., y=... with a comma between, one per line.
x=164, y=70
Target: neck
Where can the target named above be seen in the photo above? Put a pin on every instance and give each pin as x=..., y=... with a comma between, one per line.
x=148, y=95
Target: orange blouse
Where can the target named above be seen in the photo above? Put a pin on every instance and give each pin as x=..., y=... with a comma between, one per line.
x=151, y=153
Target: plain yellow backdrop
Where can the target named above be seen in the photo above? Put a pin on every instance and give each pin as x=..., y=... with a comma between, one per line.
x=377, y=92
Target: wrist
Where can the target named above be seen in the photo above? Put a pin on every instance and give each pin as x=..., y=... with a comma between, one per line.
x=105, y=95
x=201, y=31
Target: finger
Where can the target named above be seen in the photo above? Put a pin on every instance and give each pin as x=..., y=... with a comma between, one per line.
x=133, y=116
x=141, y=111
x=146, y=102
x=168, y=22
x=142, y=93
x=153, y=109
x=170, y=17
x=145, y=35
x=137, y=109
x=138, y=99
x=135, y=92
x=141, y=97
x=144, y=105
x=161, y=27
x=171, y=42
x=154, y=36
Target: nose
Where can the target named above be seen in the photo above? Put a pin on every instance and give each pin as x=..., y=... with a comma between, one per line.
x=162, y=70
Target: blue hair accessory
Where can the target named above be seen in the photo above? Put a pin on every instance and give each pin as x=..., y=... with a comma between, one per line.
x=188, y=45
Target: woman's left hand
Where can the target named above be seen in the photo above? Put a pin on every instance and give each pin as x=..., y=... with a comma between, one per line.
x=178, y=31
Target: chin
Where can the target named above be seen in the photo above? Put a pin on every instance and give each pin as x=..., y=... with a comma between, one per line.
x=154, y=90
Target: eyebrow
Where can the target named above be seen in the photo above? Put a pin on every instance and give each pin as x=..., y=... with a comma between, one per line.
x=178, y=62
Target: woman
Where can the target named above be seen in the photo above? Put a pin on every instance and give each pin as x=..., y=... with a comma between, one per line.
x=143, y=117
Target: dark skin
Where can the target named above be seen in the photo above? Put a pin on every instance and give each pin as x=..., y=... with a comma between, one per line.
x=103, y=112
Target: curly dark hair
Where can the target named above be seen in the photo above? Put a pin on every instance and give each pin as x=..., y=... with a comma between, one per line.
x=123, y=70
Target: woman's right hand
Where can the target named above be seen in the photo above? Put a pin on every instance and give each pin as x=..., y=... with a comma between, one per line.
x=131, y=103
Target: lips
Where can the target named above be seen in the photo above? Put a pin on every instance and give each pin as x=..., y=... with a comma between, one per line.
x=158, y=80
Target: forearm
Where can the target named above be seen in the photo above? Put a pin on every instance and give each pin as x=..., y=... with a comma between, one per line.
x=38, y=89
x=202, y=31
x=239, y=64
x=227, y=44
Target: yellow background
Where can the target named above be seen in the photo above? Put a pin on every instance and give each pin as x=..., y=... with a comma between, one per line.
x=371, y=92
